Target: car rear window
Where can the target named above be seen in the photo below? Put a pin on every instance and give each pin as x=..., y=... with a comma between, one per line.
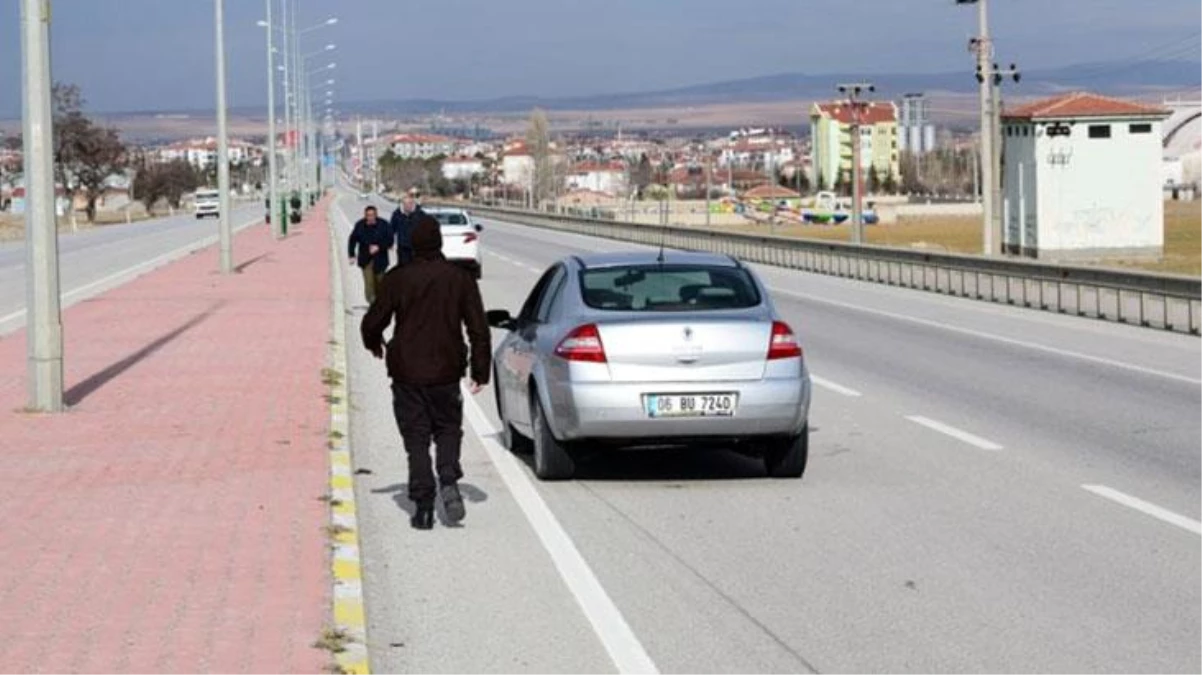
x=668, y=288
x=451, y=218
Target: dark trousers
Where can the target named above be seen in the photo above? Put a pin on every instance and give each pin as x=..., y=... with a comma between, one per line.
x=371, y=282
x=425, y=414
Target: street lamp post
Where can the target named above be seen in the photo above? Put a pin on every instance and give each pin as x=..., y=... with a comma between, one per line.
x=223, y=154
x=853, y=92
x=44, y=341
x=273, y=178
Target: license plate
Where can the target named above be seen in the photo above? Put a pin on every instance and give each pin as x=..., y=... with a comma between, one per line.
x=690, y=405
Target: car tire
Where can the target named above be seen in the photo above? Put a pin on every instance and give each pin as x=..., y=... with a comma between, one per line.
x=551, y=458
x=508, y=437
x=786, y=457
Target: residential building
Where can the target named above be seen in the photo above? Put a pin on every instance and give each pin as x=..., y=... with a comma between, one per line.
x=1182, y=143
x=915, y=133
x=609, y=177
x=462, y=168
x=420, y=146
x=202, y=152
x=831, y=150
x=517, y=168
x=1083, y=178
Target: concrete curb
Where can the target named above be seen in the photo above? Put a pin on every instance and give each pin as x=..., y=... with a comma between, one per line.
x=350, y=618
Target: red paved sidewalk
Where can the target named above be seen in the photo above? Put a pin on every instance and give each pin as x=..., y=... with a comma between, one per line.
x=170, y=521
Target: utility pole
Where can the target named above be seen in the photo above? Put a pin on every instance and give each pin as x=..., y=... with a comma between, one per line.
x=853, y=91
x=273, y=177
x=375, y=143
x=982, y=46
x=225, y=235
x=996, y=76
x=286, y=61
x=709, y=170
x=362, y=155
x=44, y=342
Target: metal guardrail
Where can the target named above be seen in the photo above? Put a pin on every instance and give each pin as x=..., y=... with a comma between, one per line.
x=1165, y=301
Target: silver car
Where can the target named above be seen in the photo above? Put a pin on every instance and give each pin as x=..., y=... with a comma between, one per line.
x=650, y=350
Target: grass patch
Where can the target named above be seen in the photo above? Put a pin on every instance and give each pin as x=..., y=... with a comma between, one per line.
x=332, y=399
x=335, y=669
x=336, y=435
x=331, y=377
x=334, y=530
x=332, y=640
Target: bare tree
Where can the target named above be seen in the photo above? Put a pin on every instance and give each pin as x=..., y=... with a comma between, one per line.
x=538, y=141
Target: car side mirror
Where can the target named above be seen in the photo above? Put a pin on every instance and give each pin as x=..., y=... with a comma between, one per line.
x=500, y=318
x=479, y=227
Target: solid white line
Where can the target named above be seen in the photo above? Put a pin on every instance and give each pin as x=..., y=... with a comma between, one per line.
x=837, y=388
x=611, y=628
x=1146, y=507
x=67, y=298
x=954, y=432
x=994, y=338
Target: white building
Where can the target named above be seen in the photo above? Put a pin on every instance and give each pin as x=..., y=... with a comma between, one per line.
x=1182, y=143
x=461, y=168
x=1083, y=178
x=202, y=152
x=424, y=146
x=517, y=168
x=609, y=178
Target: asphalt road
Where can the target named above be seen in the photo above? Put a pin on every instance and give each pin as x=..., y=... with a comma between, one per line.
x=990, y=489
x=93, y=261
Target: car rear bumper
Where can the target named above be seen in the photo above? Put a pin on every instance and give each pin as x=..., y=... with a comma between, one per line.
x=771, y=407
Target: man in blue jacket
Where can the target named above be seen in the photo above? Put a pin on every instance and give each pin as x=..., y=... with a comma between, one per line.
x=402, y=223
x=370, y=241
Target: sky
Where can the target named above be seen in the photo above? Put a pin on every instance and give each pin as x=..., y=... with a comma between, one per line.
x=137, y=55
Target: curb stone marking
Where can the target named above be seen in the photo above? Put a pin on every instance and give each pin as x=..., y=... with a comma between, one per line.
x=349, y=614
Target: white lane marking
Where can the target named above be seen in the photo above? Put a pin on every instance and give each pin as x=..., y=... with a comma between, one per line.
x=994, y=338
x=1146, y=507
x=68, y=298
x=611, y=628
x=837, y=388
x=978, y=334
x=954, y=432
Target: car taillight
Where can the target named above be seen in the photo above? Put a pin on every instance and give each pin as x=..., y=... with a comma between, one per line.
x=783, y=344
x=582, y=344
x=470, y=237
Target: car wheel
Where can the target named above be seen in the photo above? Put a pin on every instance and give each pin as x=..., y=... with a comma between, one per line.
x=786, y=458
x=509, y=439
x=551, y=459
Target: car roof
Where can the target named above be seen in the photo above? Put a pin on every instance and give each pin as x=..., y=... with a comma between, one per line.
x=623, y=258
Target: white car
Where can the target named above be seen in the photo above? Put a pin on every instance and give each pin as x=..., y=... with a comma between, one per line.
x=460, y=237
x=208, y=203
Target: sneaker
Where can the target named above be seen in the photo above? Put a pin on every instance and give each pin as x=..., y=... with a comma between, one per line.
x=452, y=501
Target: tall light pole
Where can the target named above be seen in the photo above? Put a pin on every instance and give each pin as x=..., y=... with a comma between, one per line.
x=273, y=177
x=982, y=46
x=309, y=145
x=44, y=341
x=853, y=91
x=225, y=235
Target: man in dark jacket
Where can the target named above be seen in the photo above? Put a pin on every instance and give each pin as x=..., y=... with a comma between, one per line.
x=402, y=222
x=431, y=301
x=370, y=241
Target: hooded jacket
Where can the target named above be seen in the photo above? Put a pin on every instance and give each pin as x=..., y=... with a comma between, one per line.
x=402, y=223
x=431, y=301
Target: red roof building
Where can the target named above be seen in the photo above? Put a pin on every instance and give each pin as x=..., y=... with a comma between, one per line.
x=1081, y=104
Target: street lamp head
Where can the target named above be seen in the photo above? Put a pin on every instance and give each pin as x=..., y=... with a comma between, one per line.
x=332, y=21
x=330, y=48
x=262, y=24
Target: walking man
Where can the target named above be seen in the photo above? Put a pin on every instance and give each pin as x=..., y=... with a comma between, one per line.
x=402, y=222
x=431, y=301
x=370, y=241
